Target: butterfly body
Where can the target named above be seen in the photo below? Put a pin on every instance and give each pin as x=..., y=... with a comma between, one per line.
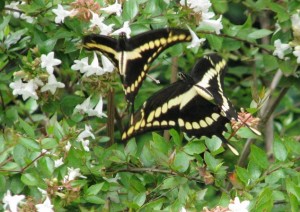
x=133, y=56
x=196, y=104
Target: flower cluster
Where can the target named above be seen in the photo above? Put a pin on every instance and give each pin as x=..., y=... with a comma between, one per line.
x=282, y=48
x=94, y=68
x=13, y=8
x=202, y=7
x=234, y=206
x=245, y=118
x=28, y=88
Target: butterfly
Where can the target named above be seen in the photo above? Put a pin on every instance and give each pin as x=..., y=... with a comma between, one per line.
x=195, y=103
x=133, y=56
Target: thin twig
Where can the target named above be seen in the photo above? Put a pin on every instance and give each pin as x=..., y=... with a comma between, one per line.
x=111, y=116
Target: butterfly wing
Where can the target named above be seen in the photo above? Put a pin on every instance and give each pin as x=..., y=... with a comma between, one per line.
x=103, y=44
x=159, y=112
x=142, y=49
x=211, y=82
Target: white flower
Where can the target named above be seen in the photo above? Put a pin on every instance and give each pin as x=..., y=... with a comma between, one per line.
x=238, y=206
x=93, y=68
x=58, y=162
x=72, y=174
x=27, y=90
x=86, y=133
x=214, y=24
x=196, y=42
x=182, y=209
x=114, y=8
x=107, y=64
x=14, y=6
x=45, y=207
x=11, y=202
x=296, y=52
x=98, y=21
x=98, y=111
x=48, y=61
x=280, y=48
x=61, y=14
x=125, y=29
x=296, y=22
x=44, y=192
x=85, y=145
x=84, y=106
x=52, y=85
x=80, y=65
x=198, y=6
x=68, y=146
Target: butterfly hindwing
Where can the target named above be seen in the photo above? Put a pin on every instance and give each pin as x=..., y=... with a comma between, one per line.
x=159, y=112
x=133, y=56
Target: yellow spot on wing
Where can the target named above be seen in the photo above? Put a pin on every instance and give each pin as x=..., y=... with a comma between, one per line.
x=158, y=112
x=209, y=121
x=180, y=122
x=164, y=123
x=164, y=108
x=215, y=116
x=188, y=126
x=195, y=125
x=172, y=123
x=151, y=116
x=203, y=123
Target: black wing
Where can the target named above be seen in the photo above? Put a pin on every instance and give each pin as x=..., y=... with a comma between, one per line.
x=210, y=84
x=104, y=44
x=184, y=104
x=133, y=56
x=159, y=112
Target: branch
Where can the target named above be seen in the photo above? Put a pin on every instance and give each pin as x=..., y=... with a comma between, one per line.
x=111, y=116
x=238, y=39
x=155, y=170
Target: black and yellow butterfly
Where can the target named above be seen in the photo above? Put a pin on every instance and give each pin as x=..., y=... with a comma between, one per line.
x=133, y=56
x=195, y=103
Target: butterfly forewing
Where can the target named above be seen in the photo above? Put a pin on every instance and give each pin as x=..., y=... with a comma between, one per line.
x=133, y=56
x=104, y=44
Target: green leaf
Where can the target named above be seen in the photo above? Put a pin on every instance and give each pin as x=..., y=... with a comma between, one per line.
x=130, y=9
x=29, y=179
x=173, y=182
x=194, y=147
x=94, y=189
x=243, y=174
x=49, y=143
x=175, y=137
x=211, y=162
x=181, y=162
x=264, y=201
x=294, y=202
x=140, y=198
x=270, y=62
x=154, y=205
x=293, y=188
x=68, y=103
x=95, y=200
x=213, y=143
x=19, y=154
x=215, y=42
x=259, y=33
x=29, y=143
x=27, y=128
x=279, y=149
x=259, y=157
x=46, y=166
